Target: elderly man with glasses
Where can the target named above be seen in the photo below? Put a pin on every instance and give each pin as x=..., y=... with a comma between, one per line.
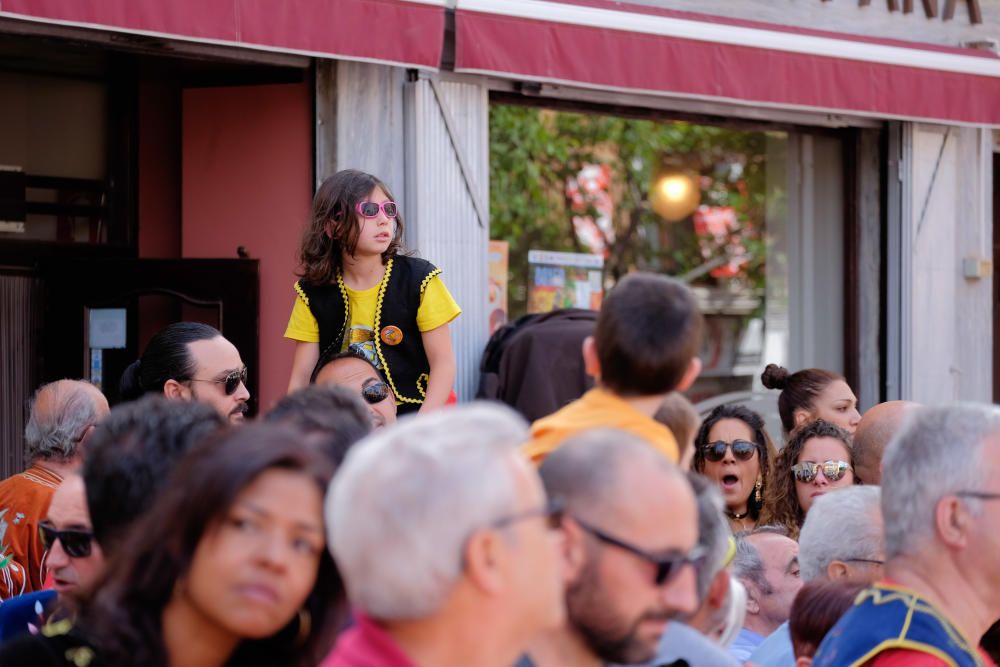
x=938, y=595
x=841, y=541
x=444, y=537
x=631, y=549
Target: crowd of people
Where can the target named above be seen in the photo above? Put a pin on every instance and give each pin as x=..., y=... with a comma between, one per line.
x=623, y=529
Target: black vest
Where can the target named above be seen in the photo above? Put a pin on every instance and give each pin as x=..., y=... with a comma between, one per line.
x=398, y=343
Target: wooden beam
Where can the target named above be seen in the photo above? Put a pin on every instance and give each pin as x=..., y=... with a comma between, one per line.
x=864, y=3
x=907, y=6
x=931, y=8
x=975, y=12
x=893, y=5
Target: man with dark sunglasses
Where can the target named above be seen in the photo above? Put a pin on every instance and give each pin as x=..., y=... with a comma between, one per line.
x=352, y=370
x=191, y=361
x=631, y=552
x=61, y=420
x=74, y=561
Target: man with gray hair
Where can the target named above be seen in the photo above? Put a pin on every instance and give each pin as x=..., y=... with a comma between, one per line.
x=630, y=554
x=767, y=563
x=841, y=541
x=444, y=538
x=940, y=593
x=61, y=417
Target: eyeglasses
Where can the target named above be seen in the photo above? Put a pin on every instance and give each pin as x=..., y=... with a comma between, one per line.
x=370, y=209
x=716, y=451
x=981, y=495
x=376, y=392
x=832, y=470
x=232, y=381
x=552, y=511
x=864, y=560
x=76, y=543
x=667, y=567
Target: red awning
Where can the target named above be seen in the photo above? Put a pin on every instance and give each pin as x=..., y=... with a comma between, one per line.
x=626, y=47
x=399, y=32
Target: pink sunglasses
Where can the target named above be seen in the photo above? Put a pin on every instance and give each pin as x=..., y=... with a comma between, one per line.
x=369, y=209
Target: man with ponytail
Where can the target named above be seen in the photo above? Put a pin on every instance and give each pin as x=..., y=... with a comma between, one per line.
x=190, y=361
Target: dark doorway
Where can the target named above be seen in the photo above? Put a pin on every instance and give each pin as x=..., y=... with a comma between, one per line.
x=152, y=292
x=996, y=282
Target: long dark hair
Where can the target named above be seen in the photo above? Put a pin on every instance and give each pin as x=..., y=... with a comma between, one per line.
x=765, y=449
x=123, y=612
x=333, y=227
x=781, y=502
x=798, y=390
x=166, y=358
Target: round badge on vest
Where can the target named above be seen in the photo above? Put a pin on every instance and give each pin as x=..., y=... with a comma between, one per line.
x=391, y=335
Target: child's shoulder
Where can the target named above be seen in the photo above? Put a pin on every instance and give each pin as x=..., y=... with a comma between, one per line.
x=418, y=266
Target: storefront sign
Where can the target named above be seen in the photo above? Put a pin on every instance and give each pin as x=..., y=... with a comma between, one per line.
x=564, y=280
x=931, y=8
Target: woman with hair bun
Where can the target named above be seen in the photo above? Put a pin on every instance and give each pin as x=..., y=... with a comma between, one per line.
x=811, y=394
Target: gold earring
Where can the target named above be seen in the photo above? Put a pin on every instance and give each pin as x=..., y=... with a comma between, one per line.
x=757, y=487
x=305, y=626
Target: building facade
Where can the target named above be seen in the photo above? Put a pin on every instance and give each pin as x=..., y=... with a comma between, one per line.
x=159, y=159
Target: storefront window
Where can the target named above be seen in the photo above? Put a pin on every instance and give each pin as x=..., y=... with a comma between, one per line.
x=53, y=159
x=580, y=199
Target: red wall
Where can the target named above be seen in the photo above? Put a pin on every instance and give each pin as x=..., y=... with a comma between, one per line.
x=246, y=179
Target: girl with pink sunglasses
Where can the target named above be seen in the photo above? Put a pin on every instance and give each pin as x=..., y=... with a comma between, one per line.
x=357, y=291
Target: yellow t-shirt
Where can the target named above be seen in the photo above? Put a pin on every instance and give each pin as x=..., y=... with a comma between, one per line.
x=437, y=307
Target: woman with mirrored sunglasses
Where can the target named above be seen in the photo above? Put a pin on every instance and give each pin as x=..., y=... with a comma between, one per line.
x=818, y=459
x=732, y=449
x=228, y=568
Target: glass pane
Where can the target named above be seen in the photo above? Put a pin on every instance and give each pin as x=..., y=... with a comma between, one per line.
x=53, y=144
x=709, y=205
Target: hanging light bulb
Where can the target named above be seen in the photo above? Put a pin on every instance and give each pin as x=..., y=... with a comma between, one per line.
x=675, y=195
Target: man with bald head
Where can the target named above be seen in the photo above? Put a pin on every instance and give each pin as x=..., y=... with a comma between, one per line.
x=630, y=551
x=62, y=416
x=876, y=429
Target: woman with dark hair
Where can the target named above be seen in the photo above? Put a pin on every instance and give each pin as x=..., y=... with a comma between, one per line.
x=732, y=449
x=229, y=567
x=817, y=459
x=816, y=609
x=811, y=394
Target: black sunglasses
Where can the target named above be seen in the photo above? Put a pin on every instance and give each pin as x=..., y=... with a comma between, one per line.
x=376, y=392
x=667, y=567
x=232, y=381
x=76, y=543
x=716, y=451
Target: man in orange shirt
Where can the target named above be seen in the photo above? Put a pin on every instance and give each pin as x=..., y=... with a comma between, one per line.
x=645, y=345
x=62, y=416
x=940, y=488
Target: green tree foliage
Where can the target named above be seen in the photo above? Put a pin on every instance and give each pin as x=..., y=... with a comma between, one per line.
x=533, y=152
